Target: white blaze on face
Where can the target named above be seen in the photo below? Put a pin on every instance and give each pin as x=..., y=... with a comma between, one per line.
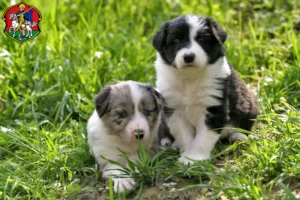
x=201, y=58
x=138, y=121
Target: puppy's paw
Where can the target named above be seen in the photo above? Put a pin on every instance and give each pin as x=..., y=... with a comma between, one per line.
x=185, y=160
x=189, y=157
x=237, y=137
x=123, y=184
x=165, y=142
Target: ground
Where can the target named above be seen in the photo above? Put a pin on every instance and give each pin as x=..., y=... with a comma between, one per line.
x=47, y=86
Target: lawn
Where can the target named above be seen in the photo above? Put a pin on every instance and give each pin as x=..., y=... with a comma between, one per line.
x=47, y=86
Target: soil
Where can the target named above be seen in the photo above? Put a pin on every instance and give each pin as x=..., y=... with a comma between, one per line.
x=171, y=191
x=164, y=191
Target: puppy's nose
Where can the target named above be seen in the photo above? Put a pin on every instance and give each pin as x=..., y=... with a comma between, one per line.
x=139, y=133
x=189, y=57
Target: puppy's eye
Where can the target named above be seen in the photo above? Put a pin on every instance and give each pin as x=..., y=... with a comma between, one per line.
x=176, y=41
x=123, y=114
x=147, y=112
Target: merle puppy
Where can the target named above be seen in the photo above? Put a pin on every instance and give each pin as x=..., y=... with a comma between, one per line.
x=125, y=113
x=194, y=77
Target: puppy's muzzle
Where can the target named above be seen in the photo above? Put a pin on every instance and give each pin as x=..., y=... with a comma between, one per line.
x=139, y=133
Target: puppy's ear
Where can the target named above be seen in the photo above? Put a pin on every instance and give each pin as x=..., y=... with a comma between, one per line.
x=102, y=101
x=160, y=37
x=216, y=30
x=158, y=97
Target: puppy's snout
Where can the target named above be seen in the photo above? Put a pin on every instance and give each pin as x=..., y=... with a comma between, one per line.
x=139, y=133
x=189, y=57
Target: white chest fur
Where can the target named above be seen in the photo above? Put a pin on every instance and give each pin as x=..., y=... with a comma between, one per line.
x=191, y=90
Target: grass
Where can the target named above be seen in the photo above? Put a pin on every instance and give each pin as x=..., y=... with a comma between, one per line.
x=47, y=86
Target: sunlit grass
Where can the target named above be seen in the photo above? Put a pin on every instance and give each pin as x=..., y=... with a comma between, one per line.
x=47, y=86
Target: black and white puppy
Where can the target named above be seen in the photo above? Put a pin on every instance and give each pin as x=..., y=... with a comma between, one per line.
x=125, y=112
x=204, y=90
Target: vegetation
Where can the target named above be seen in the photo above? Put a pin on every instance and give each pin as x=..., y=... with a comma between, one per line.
x=47, y=88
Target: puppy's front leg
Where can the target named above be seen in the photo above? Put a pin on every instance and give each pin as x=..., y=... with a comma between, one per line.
x=121, y=183
x=202, y=145
x=182, y=131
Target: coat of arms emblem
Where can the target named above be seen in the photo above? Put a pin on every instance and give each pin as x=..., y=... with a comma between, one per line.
x=22, y=22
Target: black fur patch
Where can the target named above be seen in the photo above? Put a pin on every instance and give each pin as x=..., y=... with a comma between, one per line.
x=157, y=97
x=164, y=131
x=173, y=36
x=102, y=101
x=217, y=116
x=238, y=105
x=168, y=112
x=211, y=40
x=242, y=103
